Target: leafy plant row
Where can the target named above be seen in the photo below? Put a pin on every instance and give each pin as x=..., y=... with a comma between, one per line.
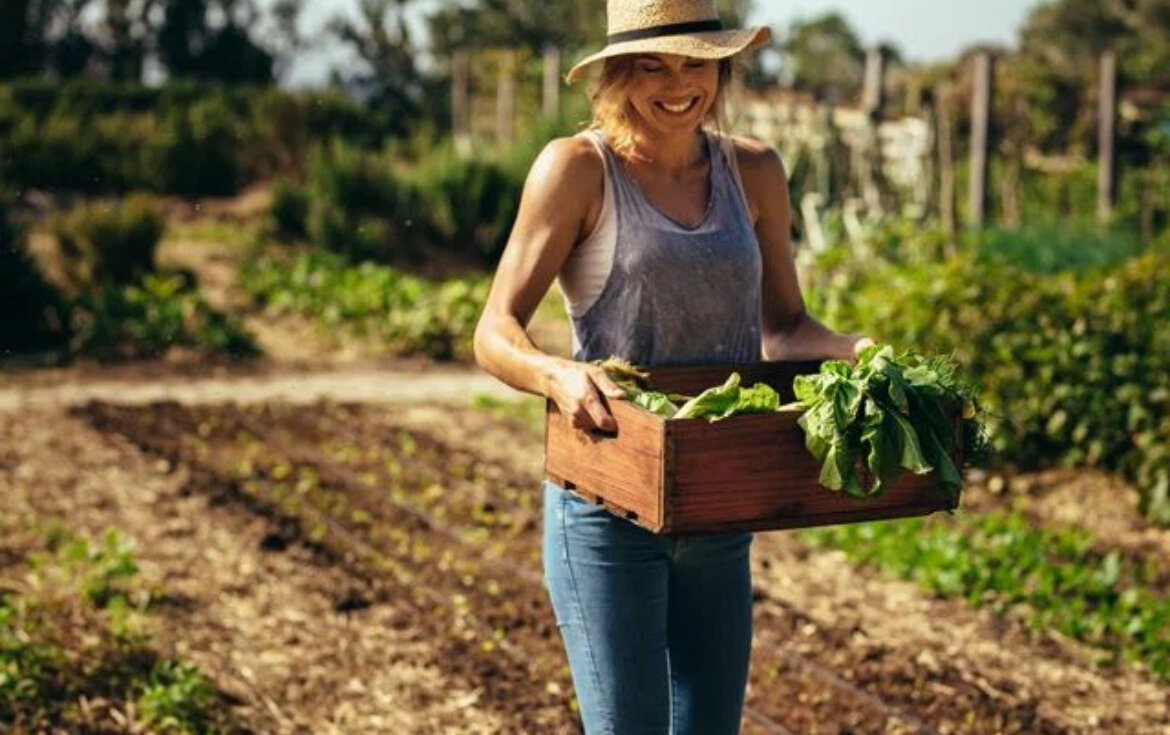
x=1050, y=577
x=409, y=314
x=76, y=627
x=1073, y=367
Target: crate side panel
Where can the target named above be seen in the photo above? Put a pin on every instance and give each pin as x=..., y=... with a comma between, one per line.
x=625, y=470
x=754, y=471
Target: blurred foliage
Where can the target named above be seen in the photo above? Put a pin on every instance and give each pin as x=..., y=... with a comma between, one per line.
x=391, y=207
x=113, y=240
x=1073, y=362
x=145, y=319
x=289, y=210
x=409, y=315
x=34, y=314
x=185, y=138
x=232, y=41
x=826, y=57
x=389, y=80
x=1052, y=248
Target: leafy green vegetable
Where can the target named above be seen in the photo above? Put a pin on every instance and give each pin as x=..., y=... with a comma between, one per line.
x=713, y=401
x=889, y=411
x=655, y=402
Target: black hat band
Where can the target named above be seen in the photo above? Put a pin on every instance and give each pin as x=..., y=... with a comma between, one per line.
x=670, y=29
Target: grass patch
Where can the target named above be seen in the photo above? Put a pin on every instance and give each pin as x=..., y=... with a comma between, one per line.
x=1050, y=578
x=529, y=410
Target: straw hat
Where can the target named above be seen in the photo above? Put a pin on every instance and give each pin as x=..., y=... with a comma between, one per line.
x=684, y=27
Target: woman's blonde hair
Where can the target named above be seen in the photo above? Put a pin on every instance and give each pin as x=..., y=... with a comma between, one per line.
x=614, y=116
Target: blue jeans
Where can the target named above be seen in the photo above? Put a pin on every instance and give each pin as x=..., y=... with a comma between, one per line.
x=658, y=629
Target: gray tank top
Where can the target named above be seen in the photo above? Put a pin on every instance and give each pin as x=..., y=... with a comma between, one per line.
x=676, y=294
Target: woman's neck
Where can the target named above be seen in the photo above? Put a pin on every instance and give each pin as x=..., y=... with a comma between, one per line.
x=675, y=156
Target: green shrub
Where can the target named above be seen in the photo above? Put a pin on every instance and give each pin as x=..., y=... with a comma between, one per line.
x=186, y=137
x=1055, y=248
x=114, y=240
x=371, y=206
x=145, y=319
x=199, y=150
x=1075, y=367
x=35, y=315
x=357, y=208
x=176, y=697
x=410, y=315
x=289, y=209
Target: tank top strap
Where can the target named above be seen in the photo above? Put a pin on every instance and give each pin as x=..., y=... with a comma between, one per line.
x=625, y=191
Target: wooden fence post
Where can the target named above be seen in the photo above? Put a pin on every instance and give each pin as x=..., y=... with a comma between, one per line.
x=873, y=99
x=460, y=111
x=550, y=99
x=506, y=96
x=1107, y=116
x=980, y=138
x=946, y=161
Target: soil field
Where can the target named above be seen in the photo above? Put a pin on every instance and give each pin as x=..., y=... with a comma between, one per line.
x=355, y=567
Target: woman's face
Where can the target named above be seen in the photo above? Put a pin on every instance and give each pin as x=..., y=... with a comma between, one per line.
x=672, y=93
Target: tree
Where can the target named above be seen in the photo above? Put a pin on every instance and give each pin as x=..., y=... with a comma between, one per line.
x=1061, y=44
x=825, y=57
x=126, y=37
x=190, y=45
x=381, y=40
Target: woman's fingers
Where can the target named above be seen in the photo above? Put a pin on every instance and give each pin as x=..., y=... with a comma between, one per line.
x=599, y=415
x=605, y=384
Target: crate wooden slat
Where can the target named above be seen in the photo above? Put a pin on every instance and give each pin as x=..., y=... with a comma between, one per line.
x=742, y=473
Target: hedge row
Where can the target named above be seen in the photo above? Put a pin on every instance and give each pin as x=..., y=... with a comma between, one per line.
x=1075, y=366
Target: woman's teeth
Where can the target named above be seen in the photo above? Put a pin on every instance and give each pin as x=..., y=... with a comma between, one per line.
x=678, y=108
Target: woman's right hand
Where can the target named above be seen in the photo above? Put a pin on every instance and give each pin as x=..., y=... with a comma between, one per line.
x=577, y=388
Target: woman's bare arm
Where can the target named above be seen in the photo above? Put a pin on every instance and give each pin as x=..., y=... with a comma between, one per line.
x=789, y=331
x=565, y=179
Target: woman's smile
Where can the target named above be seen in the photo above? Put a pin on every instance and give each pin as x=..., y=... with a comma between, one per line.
x=680, y=107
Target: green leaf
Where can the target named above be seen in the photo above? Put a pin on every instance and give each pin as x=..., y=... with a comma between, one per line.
x=713, y=401
x=655, y=402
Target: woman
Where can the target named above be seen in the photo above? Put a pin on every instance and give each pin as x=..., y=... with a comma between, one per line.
x=671, y=244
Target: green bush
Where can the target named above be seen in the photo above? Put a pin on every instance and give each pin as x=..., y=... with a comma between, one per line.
x=1054, y=248
x=289, y=210
x=186, y=137
x=199, y=150
x=112, y=322
x=410, y=315
x=373, y=206
x=35, y=315
x=1075, y=367
x=110, y=240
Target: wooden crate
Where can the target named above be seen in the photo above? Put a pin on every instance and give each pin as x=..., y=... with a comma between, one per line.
x=748, y=472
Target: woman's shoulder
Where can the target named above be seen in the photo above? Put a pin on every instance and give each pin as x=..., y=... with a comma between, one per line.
x=753, y=155
x=574, y=156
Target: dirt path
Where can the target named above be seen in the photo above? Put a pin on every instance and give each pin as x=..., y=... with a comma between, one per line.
x=359, y=384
